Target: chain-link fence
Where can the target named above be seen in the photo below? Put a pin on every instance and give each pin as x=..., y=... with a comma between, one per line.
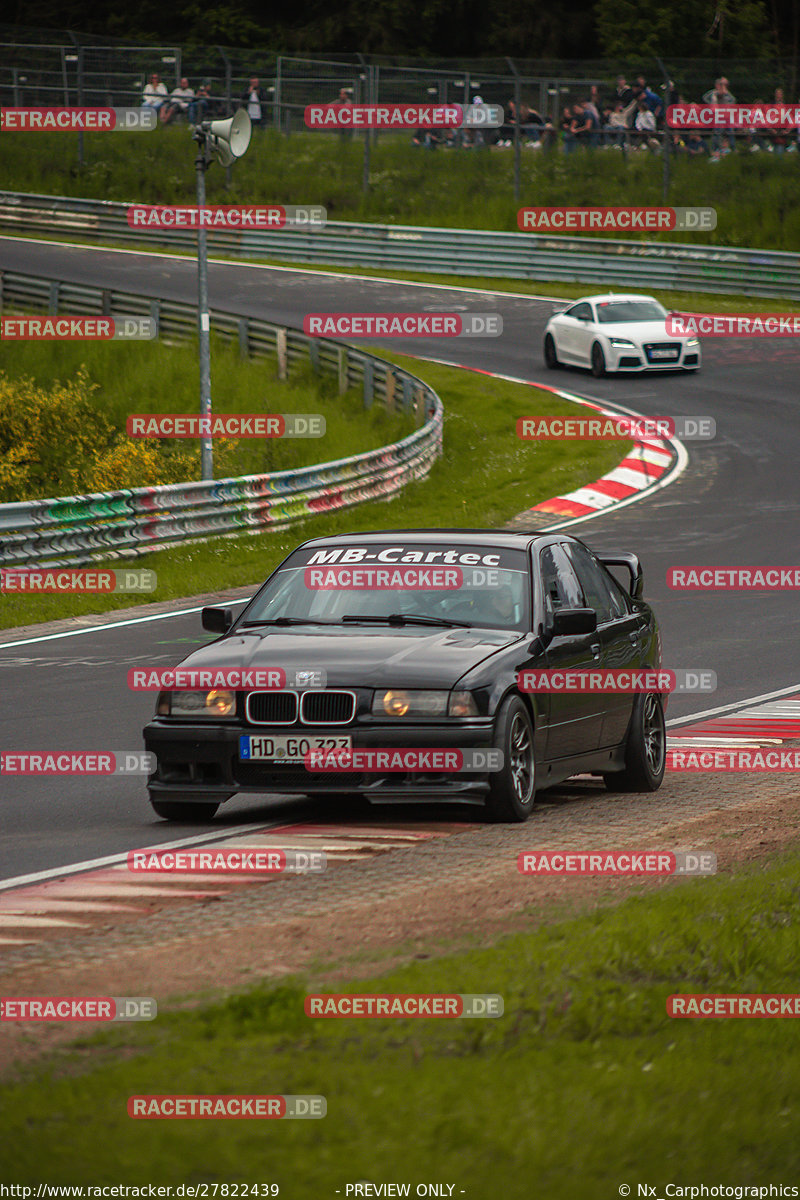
x=66, y=69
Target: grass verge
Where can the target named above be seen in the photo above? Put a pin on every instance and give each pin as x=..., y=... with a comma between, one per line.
x=485, y=477
x=582, y=1086
x=754, y=194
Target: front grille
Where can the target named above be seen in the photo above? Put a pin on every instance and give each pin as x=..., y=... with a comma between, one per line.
x=327, y=708
x=271, y=708
x=674, y=349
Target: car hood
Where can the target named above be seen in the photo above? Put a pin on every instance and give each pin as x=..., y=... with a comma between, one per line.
x=358, y=656
x=642, y=331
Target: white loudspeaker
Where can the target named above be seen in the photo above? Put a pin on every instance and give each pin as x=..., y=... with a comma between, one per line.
x=228, y=139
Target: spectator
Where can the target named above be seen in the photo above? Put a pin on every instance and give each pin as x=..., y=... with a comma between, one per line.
x=505, y=133
x=645, y=126
x=344, y=98
x=565, y=125
x=617, y=127
x=651, y=98
x=592, y=115
x=154, y=94
x=253, y=98
x=694, y=145
x=719, y=94
x=178, y=103
x=531, y=124
x=623, y=92
x=199, y=107
x=581, y=126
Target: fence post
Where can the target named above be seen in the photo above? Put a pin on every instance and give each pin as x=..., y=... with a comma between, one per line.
x=244, y=337
x=391, y=387
x=276, y=103
x=407, y=395
x=344, y=372
x=155, y=315
x=52, y=300
x=369, y=383
x=313, y=355
x=283, y=357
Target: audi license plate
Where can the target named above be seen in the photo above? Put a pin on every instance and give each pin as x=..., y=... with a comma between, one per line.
x=287, y=749
x=664, y=354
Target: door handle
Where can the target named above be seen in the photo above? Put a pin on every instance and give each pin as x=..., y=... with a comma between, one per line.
x=595, y=649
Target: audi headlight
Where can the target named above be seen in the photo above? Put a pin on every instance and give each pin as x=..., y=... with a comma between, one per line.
x=623, y=343
x=692, y=342
x=218, y=702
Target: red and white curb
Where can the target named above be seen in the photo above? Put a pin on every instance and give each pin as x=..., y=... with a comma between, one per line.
x=651, y=464
x=77, y=897
x=770, y=723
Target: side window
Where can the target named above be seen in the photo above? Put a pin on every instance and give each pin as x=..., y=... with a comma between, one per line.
x=600, y=596
x=559, y=583
x=582, y=312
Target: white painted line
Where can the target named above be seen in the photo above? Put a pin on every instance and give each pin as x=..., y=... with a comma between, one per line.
x=51, y=637
x=737, y=707
x=112, y=860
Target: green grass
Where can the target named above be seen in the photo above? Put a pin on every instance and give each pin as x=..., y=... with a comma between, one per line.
x=584, y=1084
x=754, y=194
x=158, y=377
x=485, y=477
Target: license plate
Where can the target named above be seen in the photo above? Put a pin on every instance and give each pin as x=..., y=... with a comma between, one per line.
x=664, y=354
x=285, y=748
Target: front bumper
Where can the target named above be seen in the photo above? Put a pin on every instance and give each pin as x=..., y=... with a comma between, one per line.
x=637, y=359
x=201, y=762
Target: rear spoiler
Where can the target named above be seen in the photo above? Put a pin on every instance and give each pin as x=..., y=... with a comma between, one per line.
x=625, y=559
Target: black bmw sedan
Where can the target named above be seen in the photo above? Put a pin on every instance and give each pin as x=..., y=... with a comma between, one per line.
x=425, y=664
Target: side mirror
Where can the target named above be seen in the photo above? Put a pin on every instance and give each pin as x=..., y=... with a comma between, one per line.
x=569, y=622
x=216, y=620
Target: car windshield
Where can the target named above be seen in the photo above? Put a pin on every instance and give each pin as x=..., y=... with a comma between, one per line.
x=613, y=312
x=401, y=584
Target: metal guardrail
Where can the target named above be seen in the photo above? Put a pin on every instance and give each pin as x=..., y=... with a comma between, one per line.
x=624, y=264
x=75, y=530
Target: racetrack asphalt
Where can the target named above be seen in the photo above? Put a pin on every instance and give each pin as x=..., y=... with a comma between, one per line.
x=735, y=504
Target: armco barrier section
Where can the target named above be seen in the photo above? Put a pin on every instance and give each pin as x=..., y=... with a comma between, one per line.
x=75, y=530
x=627, y=265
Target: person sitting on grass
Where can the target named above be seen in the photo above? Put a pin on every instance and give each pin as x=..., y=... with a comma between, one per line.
x=154, y=94
x=179, y=101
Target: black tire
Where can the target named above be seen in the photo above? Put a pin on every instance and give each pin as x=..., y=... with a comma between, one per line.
x=646, y=749
x=550, y=353
x=187, y=812
x=598, y=361
x=512, y=791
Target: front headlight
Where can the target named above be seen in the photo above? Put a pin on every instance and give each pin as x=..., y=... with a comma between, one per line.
x=408, y=702
x=623, y=343
x=213, y=704
x=692, y=342
x=404, y=702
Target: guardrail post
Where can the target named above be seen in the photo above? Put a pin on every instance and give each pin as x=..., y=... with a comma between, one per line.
x=391, y=387
x=2, y=276
x=52, y=301
x=244, y=337
x=407, y=394
x=283, y=358
x=369, y=383
x=155, y=315
x=313, y=355
x=343, y=370
x=105, y=303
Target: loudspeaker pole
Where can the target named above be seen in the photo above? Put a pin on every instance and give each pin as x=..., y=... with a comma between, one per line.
x=203, y=320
